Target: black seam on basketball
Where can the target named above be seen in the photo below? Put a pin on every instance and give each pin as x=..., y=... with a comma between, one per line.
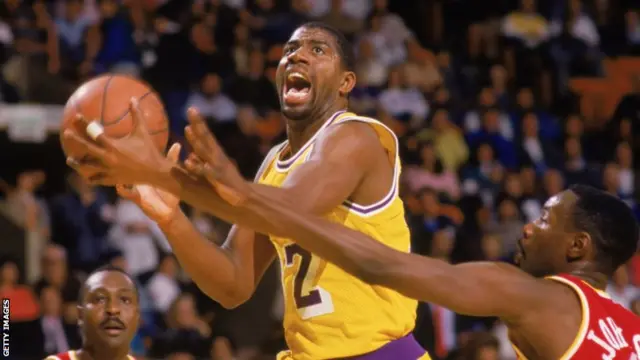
x=126, y=112
x=104, y=99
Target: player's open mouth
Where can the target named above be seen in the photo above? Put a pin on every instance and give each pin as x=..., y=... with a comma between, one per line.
x=296, y=89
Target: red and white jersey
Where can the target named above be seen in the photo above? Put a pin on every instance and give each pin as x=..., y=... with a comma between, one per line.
x=608, y=331
x=71, y=355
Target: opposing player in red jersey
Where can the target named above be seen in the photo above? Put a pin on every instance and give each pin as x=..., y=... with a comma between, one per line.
x=109, y=315
x=554, y=305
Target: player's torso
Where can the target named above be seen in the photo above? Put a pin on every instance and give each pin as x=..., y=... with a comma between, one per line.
x=329, y=313
x=608, y=331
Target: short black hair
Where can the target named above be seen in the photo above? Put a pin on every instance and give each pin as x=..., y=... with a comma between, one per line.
x=107, y=268
x=345, y=48
x=611, y=224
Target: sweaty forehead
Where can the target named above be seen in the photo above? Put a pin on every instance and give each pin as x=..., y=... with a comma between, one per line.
x=108, y=280
x=561, y=202
x=305, y=34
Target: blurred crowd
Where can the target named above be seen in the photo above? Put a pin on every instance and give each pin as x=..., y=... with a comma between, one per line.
x=479, y=94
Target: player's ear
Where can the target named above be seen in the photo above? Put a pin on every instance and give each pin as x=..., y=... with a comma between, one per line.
x=348, y=83
x=579, y=245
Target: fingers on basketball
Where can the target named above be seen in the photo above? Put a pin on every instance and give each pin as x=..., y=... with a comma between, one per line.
x=139, y=126
x=98, y=136
x=86, y=146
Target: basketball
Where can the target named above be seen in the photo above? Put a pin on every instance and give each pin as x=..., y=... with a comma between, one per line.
x=106, y=99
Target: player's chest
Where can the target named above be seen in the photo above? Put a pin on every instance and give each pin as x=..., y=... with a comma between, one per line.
x=609, y=338
x=601, y=338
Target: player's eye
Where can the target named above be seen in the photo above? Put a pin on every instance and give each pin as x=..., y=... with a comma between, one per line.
x=100, y=299
x=288, y=50
x=318, y=50
x=126, y=300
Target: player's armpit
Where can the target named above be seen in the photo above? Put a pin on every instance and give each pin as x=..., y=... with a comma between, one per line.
x=341, y=158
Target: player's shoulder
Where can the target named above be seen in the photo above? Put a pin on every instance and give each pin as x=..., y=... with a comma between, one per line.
x=353, y=131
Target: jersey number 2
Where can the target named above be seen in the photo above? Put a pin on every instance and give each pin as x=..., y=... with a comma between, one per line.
x=311, y=300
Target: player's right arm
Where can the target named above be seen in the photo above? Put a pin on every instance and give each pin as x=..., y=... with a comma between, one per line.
x=227, y=274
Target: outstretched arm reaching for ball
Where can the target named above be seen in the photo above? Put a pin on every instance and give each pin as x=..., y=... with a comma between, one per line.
x=227, y=274
x=343, y=156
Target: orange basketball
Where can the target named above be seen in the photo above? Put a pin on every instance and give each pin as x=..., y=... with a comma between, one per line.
x=106, y=99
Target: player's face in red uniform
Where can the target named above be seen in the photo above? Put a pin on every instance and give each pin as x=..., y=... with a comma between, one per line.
x=310, y=74
x=109, y=314
x=549, y=244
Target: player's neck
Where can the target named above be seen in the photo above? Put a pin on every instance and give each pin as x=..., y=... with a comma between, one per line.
x=596, y=279
x=300, y=131
x=102, y=353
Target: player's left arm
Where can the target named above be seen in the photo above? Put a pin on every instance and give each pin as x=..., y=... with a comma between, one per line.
x=478, y=288
x=342, y=157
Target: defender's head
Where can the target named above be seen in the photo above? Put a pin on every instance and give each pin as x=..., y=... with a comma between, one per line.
x=581, y=227
x=108, y=307
x=315, y=72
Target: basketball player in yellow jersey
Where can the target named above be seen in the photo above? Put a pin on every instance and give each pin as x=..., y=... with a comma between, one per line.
x=329, y=313
x=334, y=164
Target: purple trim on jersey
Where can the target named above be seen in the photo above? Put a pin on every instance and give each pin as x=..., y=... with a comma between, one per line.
x=371, y=208
x=286, y=164
x=406, y=348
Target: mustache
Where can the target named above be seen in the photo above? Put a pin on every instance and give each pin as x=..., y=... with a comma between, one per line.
x=112, y=321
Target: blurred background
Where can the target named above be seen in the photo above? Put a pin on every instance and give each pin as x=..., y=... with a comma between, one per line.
x=497, y=104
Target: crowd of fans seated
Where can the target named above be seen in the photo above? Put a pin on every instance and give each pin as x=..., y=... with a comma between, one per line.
x=477, y=92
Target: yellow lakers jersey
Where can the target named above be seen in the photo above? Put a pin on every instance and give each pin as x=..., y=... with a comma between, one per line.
x=329, y=313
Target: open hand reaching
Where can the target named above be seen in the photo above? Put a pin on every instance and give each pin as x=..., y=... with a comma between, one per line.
x=158, y=204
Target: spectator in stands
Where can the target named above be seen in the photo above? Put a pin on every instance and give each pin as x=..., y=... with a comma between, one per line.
x=115, y=30
x=139, y=238
x=575, y=164
x=448, y=140
x=341, y=20
x=186, y=331
x=535, y=151
x=507, y=224
x=24, y=305
x=254, y=88
x=163, y=286
x=483, y=175
x=81, y=220
x=78, y=41
x=432, y=174
x=26, y=207
x=620, y=288
x=575, y=44
x=58, y=335
x=213, y=103
x=629, y=179
x=487, y=101
x=55, y=274
x=491, y=133
x=403, y=101
x=525, y=104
